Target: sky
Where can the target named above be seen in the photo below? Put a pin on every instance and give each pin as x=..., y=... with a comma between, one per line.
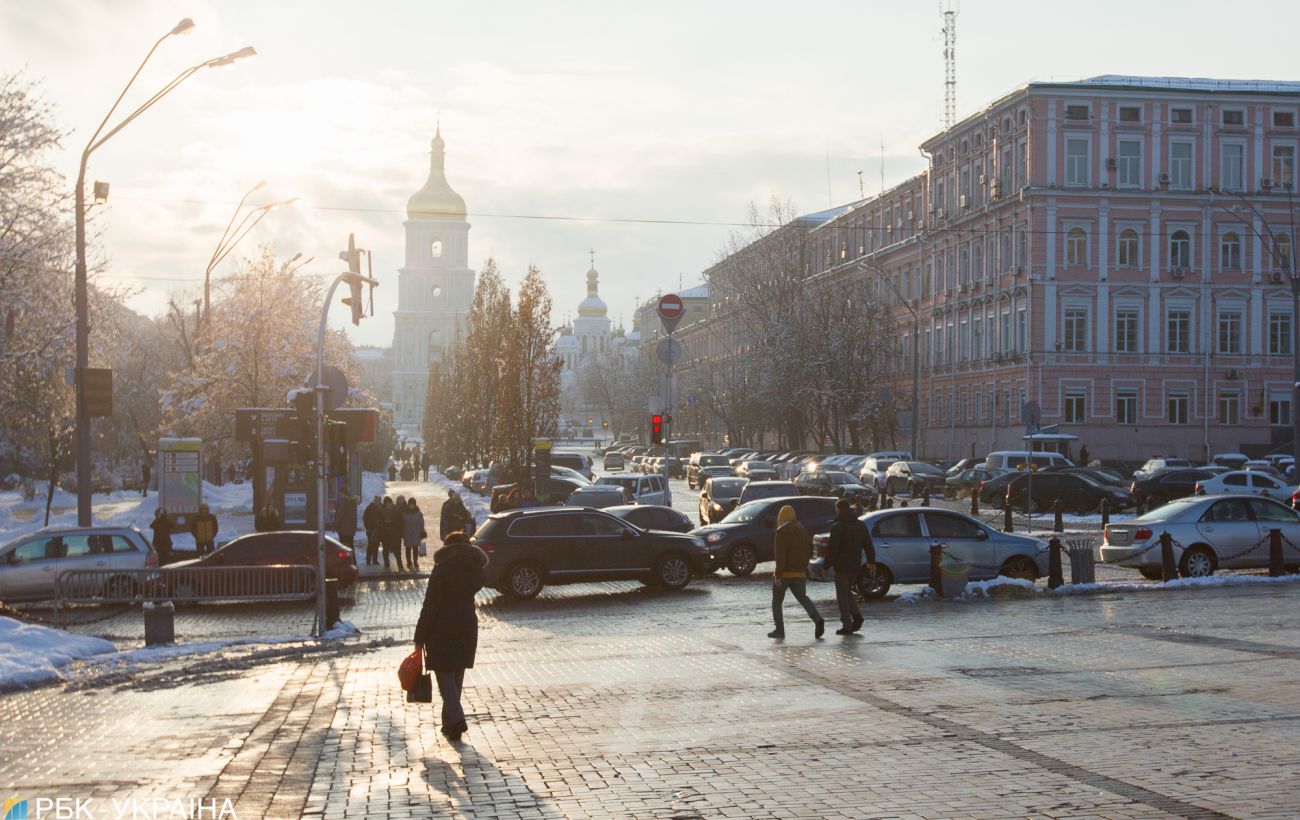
x=643, y=132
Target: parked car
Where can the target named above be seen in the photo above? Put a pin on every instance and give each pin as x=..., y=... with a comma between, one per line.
x=559, y=490
x=565, y=545
x=558, y=471
x=1024, y=460
x=1210, y=532
x=613, y=460
x=645, y=489
x=967, y=482
x=756, y=490
x=652, y=517
x=704, y=466
x=1262, y=466
x=1078, y=494
x=721, y=495
x=913, y=477
x=744, y=538
x=744, y=455
x=262, y=549
x=963, y=464
x=756, y=471
x=902, y=539
x=833, y=482
x=1233, y=461
x=29, y=566
x=872, y=472
x=1160, y=463
x=1245, y=482
x=600, y=496
x=1164, y=485
x=575, y=461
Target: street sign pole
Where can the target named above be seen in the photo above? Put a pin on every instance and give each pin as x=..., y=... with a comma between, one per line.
x=670, y=310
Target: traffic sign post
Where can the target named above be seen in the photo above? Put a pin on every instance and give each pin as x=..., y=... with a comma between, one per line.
x=670, y=309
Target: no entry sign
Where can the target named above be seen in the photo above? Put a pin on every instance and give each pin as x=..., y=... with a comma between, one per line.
x=670, y=310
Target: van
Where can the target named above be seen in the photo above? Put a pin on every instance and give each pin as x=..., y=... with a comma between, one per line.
x=574, y=461
x=1020, y=459
x=648, y=488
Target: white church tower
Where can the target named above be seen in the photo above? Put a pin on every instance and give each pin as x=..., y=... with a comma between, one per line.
x=434, y=290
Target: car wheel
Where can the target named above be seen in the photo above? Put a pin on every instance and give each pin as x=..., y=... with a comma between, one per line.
x=119, y=587
x=524, y=581
x=873, y=585
x=1197, y=562
x=672, y=571
x=742, y=560
x=1150, y=574
x=1019, y=567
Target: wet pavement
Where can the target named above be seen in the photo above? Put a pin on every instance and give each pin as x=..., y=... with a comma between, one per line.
x=611, y=700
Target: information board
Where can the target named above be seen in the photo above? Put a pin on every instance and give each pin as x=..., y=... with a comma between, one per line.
x=180, y=471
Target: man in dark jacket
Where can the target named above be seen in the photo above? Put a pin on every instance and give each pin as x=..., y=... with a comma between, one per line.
x=448, y=627
x=452, y=517
x=371, y=519
x=345, y=518
x=162, y=536
x=391, y=533
x=849, y=541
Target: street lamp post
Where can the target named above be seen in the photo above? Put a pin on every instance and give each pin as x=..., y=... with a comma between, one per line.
x=80, y=285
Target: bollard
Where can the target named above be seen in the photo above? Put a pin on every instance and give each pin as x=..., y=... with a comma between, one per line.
x=159, y=623
x=1168, y=570
x=1140, y=508
x=902, y=502
x=1058, y=525
x=975, y=503
x=888, y=503
x=1275, y=553
x=936, y=574
x=925, y=496
x=1055, y=578
x=1006, y=519
x=1105, y=513
x=331, y=603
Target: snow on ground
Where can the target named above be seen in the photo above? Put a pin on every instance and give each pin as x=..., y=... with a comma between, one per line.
x=232, y=504
x=991, y=587
x=31, y=655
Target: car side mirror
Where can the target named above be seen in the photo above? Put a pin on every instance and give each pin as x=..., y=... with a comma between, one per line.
x=982, y=535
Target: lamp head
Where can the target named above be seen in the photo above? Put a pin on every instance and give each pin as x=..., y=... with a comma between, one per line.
x=261, y=183
x=101, y=192
x=183, y=27
x=232, y=57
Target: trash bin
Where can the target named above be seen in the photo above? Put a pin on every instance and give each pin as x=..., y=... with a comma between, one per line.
x=954, y=575
x=159, y=623
x=1083, y=562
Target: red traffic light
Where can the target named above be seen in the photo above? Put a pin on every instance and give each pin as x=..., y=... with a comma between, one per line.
x=656, y=429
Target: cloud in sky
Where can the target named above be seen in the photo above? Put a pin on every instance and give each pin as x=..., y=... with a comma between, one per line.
x=594, y=112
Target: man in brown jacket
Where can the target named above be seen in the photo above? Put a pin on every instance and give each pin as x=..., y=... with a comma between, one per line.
x=791, y=550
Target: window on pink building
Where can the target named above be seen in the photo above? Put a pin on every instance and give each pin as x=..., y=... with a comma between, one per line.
x=1279, y=334
x=1178, y=406
x=1076, y=402
x=1231, y=163
x=1283, y=166
x=1230, y=332
x=1230, y=251
x=1130, y=113
x=1076, y=248
x=1229, y=407
x=1281, y=252
x=1129, y=164
x=1126, y=330
x=1075, y=331
x=1279, y=408
x=1126, y=406
x=1178, y=331
x=1180, y=249
x=1128, y=250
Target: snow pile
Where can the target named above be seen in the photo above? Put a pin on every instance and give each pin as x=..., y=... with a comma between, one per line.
x=31, y=654
x=1180, y=583
x=343, y=629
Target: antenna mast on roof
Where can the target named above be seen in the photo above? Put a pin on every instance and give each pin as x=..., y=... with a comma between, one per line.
x=949, y=63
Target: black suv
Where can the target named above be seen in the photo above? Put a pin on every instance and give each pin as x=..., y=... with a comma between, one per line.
x=1162, y=486
x=704, y=466
x=833, y=482
x=530, y=548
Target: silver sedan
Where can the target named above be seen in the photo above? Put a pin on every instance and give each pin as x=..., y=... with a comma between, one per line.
x=1209, y=532
x=902, y=538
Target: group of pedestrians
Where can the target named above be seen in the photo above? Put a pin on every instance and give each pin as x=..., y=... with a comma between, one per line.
x=850, y=554
x=203, y=528
x=395, y=528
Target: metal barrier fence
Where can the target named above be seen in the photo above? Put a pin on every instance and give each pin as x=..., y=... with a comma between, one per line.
x=184, y=585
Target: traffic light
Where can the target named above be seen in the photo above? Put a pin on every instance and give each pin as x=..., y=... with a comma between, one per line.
x=305, y=405
x=336, y=451
x=353, y=300
x=656, y=429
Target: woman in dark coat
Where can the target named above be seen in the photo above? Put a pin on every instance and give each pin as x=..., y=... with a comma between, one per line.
x=162, y=536
x=448, y=627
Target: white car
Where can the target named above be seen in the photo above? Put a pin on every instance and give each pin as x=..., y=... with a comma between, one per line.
x=1245, y=482
x=614, y=461
x=647, y=488
x=1159, y=464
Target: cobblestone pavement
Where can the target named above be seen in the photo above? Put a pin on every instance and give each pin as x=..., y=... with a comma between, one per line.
x=610, y=700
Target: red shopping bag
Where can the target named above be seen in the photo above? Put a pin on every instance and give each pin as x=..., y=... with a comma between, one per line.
x=410, y=670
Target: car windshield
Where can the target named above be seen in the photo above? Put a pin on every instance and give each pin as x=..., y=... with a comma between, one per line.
x=841, y=478
x=1168, y=511
x=728, y=488
x=714, y=461
x=925, y=469
x=757, y=465
x=629, y=483
x=595, y=493
x=745, y=512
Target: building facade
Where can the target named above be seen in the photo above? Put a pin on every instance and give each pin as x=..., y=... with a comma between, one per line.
x=1116, y=250
x=434, y=290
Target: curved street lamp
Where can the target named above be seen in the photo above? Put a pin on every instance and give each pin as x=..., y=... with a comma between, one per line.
x=80, y=285
x=234, y=234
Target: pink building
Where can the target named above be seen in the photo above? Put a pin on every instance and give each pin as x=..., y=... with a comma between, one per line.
x=1115, y=249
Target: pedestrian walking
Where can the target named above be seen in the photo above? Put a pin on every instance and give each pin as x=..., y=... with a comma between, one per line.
x=447, y=630
x=345, y=518
x=162, y=536
x=452, y=517
x=390, y=535
x=850, y=541
x=413, y=534
x=267, y=520
x=791, y=548
x=371, y=520
x=1083, y=456
x=203, y=527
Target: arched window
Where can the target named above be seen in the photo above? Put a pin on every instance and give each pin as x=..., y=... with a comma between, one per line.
x=1180, y=249
x=1076, y=248
x=436, y=248
x=1230, y=251
x=1128, y=248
